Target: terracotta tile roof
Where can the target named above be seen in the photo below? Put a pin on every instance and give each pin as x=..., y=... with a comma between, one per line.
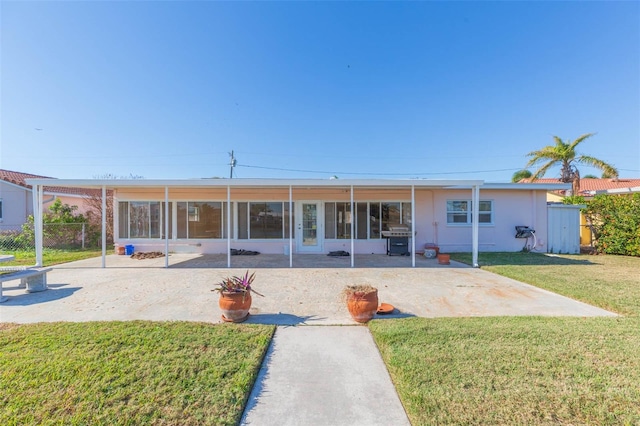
x=18, y=178
x=589, y=185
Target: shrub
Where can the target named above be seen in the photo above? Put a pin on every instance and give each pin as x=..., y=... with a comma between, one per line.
x=615, y=223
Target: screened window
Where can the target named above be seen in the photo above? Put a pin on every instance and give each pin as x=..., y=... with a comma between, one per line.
x=0, y=209
x=337, y=220
x=460, y=212
x=141, y=219
x=371, y=219
x=201, y=219
x=263, y=220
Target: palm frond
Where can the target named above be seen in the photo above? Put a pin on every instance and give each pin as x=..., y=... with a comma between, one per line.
x=547, y=153
x=598, y=164
x=542, y=170
x=580, y=140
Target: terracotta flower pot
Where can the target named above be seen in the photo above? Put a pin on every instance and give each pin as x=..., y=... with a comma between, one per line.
x=363, y=307
x=444, y=259
x=234, y=306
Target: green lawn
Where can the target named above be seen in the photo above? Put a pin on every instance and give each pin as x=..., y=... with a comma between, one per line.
x=50, y=256
x=117, y=373
x=526, y=370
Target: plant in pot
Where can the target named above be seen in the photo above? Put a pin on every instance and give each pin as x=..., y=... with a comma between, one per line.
x=362, y=301
x=235, y=297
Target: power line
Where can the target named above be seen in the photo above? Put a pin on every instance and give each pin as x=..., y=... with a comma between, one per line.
x=376, y=173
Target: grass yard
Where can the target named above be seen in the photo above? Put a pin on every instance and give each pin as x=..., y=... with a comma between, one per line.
x=526, y=370
x=50, y=256
x=115, y=373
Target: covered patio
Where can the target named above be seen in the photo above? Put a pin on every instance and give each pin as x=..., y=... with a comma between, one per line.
x=238, y=190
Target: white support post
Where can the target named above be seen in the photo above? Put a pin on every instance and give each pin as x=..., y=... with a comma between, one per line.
x=104, y=226
x=475, y=219
x=166, y=226
x=229, y=226
x=413, y=226
x=290, y=227
x=37, y=222
x=353, y=216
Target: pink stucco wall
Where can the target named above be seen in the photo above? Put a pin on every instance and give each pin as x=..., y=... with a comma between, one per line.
x=512, y=207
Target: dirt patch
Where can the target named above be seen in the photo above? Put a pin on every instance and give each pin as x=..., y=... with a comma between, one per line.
x=147, y=255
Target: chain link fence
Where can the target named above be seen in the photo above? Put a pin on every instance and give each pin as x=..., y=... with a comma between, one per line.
x=59, y=236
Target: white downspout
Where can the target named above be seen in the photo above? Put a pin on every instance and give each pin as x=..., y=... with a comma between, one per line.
x=229, y=227
x=104, y=226
x=166, y=226
x=290, y=227
x=353, y=219
x=413, y=226
x=475, y=218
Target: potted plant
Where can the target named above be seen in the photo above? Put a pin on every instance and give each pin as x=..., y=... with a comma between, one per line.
x=235, y=297
x=362, y=301
x=444, y=258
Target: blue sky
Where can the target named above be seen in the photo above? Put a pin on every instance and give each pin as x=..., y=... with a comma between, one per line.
x=314, y=89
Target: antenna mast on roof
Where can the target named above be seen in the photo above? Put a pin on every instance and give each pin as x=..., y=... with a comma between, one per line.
x=232, y=164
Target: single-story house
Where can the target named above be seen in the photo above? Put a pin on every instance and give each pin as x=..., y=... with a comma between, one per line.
x=16, y=198
x=306, y=216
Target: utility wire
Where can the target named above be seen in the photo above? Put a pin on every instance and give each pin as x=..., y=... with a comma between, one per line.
x=377, y=173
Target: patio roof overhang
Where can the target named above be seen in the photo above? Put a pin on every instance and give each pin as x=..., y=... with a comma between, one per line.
x=104, y=184
x=256, y=183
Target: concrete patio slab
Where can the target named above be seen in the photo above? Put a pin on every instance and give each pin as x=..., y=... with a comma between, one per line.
x=131, y=289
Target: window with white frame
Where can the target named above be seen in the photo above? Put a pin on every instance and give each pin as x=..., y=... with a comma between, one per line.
x=371, y=218
x=459, y=212
x=201, y=219
x=141, y=219
x=0, y=209
x=263, y=220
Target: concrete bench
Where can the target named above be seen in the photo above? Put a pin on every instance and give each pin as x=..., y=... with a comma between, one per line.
x=34, y=280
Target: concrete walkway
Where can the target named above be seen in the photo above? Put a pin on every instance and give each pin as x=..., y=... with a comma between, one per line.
x=323, y=376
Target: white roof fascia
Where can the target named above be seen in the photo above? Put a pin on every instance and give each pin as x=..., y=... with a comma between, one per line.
x=618, y=190
x=24, y=188
x=567, y=206
x=14, y=185
x=64, y=194
x=528, y=186
x=249, y=183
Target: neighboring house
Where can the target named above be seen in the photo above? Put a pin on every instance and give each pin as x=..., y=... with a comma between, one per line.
x=318, y=216
x=16, y=198
x=589, y=188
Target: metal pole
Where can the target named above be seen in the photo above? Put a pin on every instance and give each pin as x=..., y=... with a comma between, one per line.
x=83, y=229
x=475, y=203
x=290, y=227
x=229, y=224
x=353, y=217
x=104, y=226
x=413, y=226
x=37, y=224
x=166, y=226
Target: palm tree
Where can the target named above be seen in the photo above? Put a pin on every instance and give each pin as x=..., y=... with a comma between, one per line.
x=521, y=174
x=564, y=153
